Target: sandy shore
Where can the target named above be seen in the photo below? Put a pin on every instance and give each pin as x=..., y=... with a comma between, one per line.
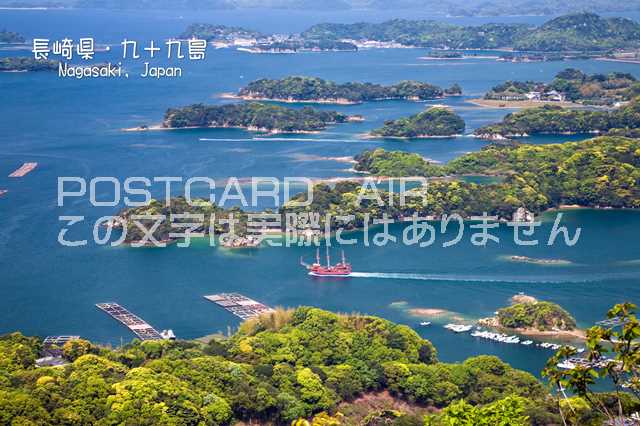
x=310, y=157
x=427, y=312
x=155, y=127
x=289, y=100
x=152, y=127
x=623, y=60
x=491, y=103
x=370, y=136
x=533, y=332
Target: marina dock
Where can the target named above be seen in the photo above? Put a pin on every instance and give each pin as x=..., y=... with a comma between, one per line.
x=239, y=305
x=138, y=326
x=23, y=170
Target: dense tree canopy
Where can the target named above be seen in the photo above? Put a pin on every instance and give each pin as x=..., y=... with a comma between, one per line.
x=576, y=86
x=283, y=366
x=603, y=171
x=434, y=122
x=574, y=32
x=554, y=119
x=539, y=315
x=299, y=88
x=253, y=116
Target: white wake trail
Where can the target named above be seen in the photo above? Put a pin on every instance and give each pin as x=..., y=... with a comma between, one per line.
x=438, y=277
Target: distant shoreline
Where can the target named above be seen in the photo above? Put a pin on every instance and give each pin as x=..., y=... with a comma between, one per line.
x=156, y=127
x=371, y=136
x=290, y=100
x=626, y=61
x=493, y=103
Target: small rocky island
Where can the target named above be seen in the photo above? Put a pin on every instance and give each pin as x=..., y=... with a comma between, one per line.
x=530, y=316
x=24, y=63
x=436, y=122
x=10, y=37
x=317, y=90
x=254, y=116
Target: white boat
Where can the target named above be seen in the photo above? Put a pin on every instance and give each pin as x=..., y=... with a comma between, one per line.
x=566, y=365
x=458, y=328
x=527, y=342
x=425, y=323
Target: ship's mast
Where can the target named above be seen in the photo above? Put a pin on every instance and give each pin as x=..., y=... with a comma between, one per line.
x=318, y=255
x=328, y=259
x=344, y=261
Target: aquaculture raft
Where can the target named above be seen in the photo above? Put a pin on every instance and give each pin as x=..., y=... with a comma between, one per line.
x=239, y=305
x=138, y=326
x=23, y=170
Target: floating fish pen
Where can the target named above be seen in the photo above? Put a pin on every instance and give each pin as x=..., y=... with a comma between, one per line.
x=138, y=326
x=23, y=170
x=239, y=305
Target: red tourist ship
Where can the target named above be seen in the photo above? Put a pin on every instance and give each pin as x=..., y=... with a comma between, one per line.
x=340, y=269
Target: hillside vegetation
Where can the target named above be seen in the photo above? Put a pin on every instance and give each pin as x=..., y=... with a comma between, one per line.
x=539, y=315
x=299, y=88
x=252, y=116
x=575, y=32
x=434, y=122
x=553, y=119
x=603, y=171
x=283, y=366
x=575, y=86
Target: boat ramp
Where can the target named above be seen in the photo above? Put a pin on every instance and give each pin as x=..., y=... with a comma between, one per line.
x=239, y=305
x=138, y=326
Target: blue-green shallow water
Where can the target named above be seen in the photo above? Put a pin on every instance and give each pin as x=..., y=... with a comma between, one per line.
x=72, y=129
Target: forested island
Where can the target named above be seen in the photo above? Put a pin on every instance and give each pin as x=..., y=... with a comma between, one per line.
x=432, y=123
x=178, y=205
x=256, y=42
x=600, y=172
x=10, y=37
x=571, y=85
x=553, y=119
x=211, y=32
x=584, y=32
x=543, y=316
x=24, y=63
x=527, y=315
x=253, y=116
x=314, y=89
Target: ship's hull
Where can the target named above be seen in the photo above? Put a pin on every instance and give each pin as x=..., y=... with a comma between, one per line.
x=330, y=274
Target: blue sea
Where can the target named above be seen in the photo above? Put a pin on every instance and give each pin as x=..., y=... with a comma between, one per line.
x=73, y=128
